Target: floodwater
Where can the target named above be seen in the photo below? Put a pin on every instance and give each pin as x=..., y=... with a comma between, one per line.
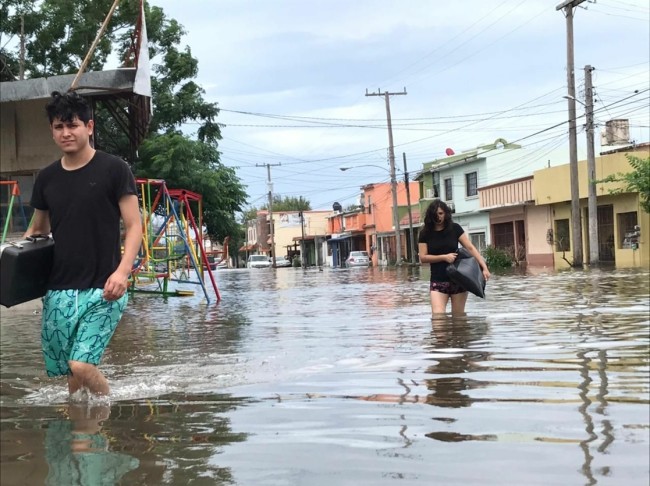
x=340, y=377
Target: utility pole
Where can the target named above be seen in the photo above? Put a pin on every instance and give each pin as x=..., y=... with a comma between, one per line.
x=271, y=226
x=21, y=59
x=303, y=262
x=408, y=203
x=393, y=181
x=576, y=219
x=592, y=201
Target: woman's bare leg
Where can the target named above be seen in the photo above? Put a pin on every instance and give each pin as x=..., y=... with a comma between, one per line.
x=458, y=304
x=439, y=302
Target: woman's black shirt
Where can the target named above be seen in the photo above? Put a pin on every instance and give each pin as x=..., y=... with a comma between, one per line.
x=440, y=243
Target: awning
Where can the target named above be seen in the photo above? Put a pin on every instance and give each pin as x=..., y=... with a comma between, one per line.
x=308, y=237
x=248, y=247
x=341, y=238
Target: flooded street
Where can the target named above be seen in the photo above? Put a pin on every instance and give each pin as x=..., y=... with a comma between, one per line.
x=340, y=377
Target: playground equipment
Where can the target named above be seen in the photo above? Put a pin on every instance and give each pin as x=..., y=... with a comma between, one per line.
x=173, y=243
x=13, y=196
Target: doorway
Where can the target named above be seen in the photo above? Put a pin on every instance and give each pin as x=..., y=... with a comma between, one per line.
x=606, y=238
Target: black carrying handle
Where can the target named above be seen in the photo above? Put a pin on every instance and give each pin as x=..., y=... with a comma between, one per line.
x=37, y=236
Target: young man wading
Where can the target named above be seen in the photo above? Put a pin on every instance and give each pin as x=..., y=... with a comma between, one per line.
x=80, y=200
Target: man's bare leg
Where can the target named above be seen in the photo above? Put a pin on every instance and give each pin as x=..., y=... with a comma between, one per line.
x=73, y=385
x=89, y=376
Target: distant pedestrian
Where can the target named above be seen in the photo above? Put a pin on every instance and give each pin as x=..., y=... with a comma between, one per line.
x=81, y=199
x=438, y=245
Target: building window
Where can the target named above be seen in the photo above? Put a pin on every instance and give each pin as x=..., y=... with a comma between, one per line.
x=503, y=235
x=562, y=242
x=626, y=232
x=478, y=240
x=471, y=184
x=449, y=194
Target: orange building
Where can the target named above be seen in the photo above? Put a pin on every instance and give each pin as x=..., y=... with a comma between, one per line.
x=370, y=226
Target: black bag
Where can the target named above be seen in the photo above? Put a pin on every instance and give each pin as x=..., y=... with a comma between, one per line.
x=467, y=273
x=25, y=268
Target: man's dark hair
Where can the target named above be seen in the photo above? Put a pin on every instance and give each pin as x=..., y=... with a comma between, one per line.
x=66, y=106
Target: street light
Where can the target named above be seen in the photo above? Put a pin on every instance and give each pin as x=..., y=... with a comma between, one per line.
x=393, y=190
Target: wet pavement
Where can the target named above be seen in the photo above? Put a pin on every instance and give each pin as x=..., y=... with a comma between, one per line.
x=340, y=377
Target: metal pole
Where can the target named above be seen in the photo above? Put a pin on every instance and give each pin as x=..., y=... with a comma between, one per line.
x=303, y=262
x=592, y=202
x=21, y=59
x=90, y=52
x=408, y=204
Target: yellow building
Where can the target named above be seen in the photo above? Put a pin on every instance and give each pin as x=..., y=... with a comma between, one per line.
x=619, y=215
x=290, y=229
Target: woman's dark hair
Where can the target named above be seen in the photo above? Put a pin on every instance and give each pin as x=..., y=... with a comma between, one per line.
x=430, y=215
x=68, y=106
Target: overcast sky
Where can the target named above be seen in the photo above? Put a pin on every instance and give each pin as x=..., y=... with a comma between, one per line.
x=290, y=78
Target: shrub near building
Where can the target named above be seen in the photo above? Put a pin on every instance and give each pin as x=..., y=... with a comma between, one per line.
x=497, y=258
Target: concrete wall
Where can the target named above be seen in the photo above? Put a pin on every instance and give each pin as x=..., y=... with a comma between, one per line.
x=26, y=143
x=552, y=187
x=475, y=223
x=539, y=249
x=287, y=227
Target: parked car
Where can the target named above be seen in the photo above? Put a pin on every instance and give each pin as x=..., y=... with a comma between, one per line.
x=357, y=259
x=258, y=261
x=282, y=261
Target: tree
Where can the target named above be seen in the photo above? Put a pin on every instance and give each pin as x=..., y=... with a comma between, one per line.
x=637, y=180
x=58, y=35
x=289, y=203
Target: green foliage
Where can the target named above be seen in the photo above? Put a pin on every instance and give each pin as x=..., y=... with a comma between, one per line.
x=193, y=165
x=59, y=33
x=289, y=203
x=58, y=36
x=497, y=258
x=637, y=180
x=248, y=215
x=353, y=207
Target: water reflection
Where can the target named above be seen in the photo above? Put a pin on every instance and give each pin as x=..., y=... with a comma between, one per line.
x=175, y=436
x=450, y=342
x=78, y=454
x=340, y=377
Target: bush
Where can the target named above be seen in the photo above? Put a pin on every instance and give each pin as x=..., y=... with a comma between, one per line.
x=497, y=258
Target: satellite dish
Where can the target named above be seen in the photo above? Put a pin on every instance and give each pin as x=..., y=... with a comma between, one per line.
x=449, y=151
x=337, y=207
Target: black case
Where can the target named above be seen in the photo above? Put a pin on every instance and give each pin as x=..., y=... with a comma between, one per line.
x=25, y=268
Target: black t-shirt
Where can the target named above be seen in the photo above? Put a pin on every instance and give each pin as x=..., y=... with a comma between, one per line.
x=85, y=218
x=440, y=243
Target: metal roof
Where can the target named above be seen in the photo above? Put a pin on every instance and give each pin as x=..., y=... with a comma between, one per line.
x=94, y=83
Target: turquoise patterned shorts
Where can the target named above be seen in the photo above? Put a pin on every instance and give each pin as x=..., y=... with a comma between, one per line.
x=77, y=326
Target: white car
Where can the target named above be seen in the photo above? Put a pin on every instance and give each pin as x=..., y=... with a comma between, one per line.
x=357, y=259
x=258, y=261
x=282, y=261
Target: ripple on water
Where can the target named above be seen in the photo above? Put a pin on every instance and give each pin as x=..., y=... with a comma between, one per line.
x=341, y=377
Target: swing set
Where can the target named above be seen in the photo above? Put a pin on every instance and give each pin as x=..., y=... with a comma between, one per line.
x=173, y=248
x=13, y=196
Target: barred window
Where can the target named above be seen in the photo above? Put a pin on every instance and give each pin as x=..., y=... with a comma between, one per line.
x=449, y=193
x=471, y=184
x=562, y=242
